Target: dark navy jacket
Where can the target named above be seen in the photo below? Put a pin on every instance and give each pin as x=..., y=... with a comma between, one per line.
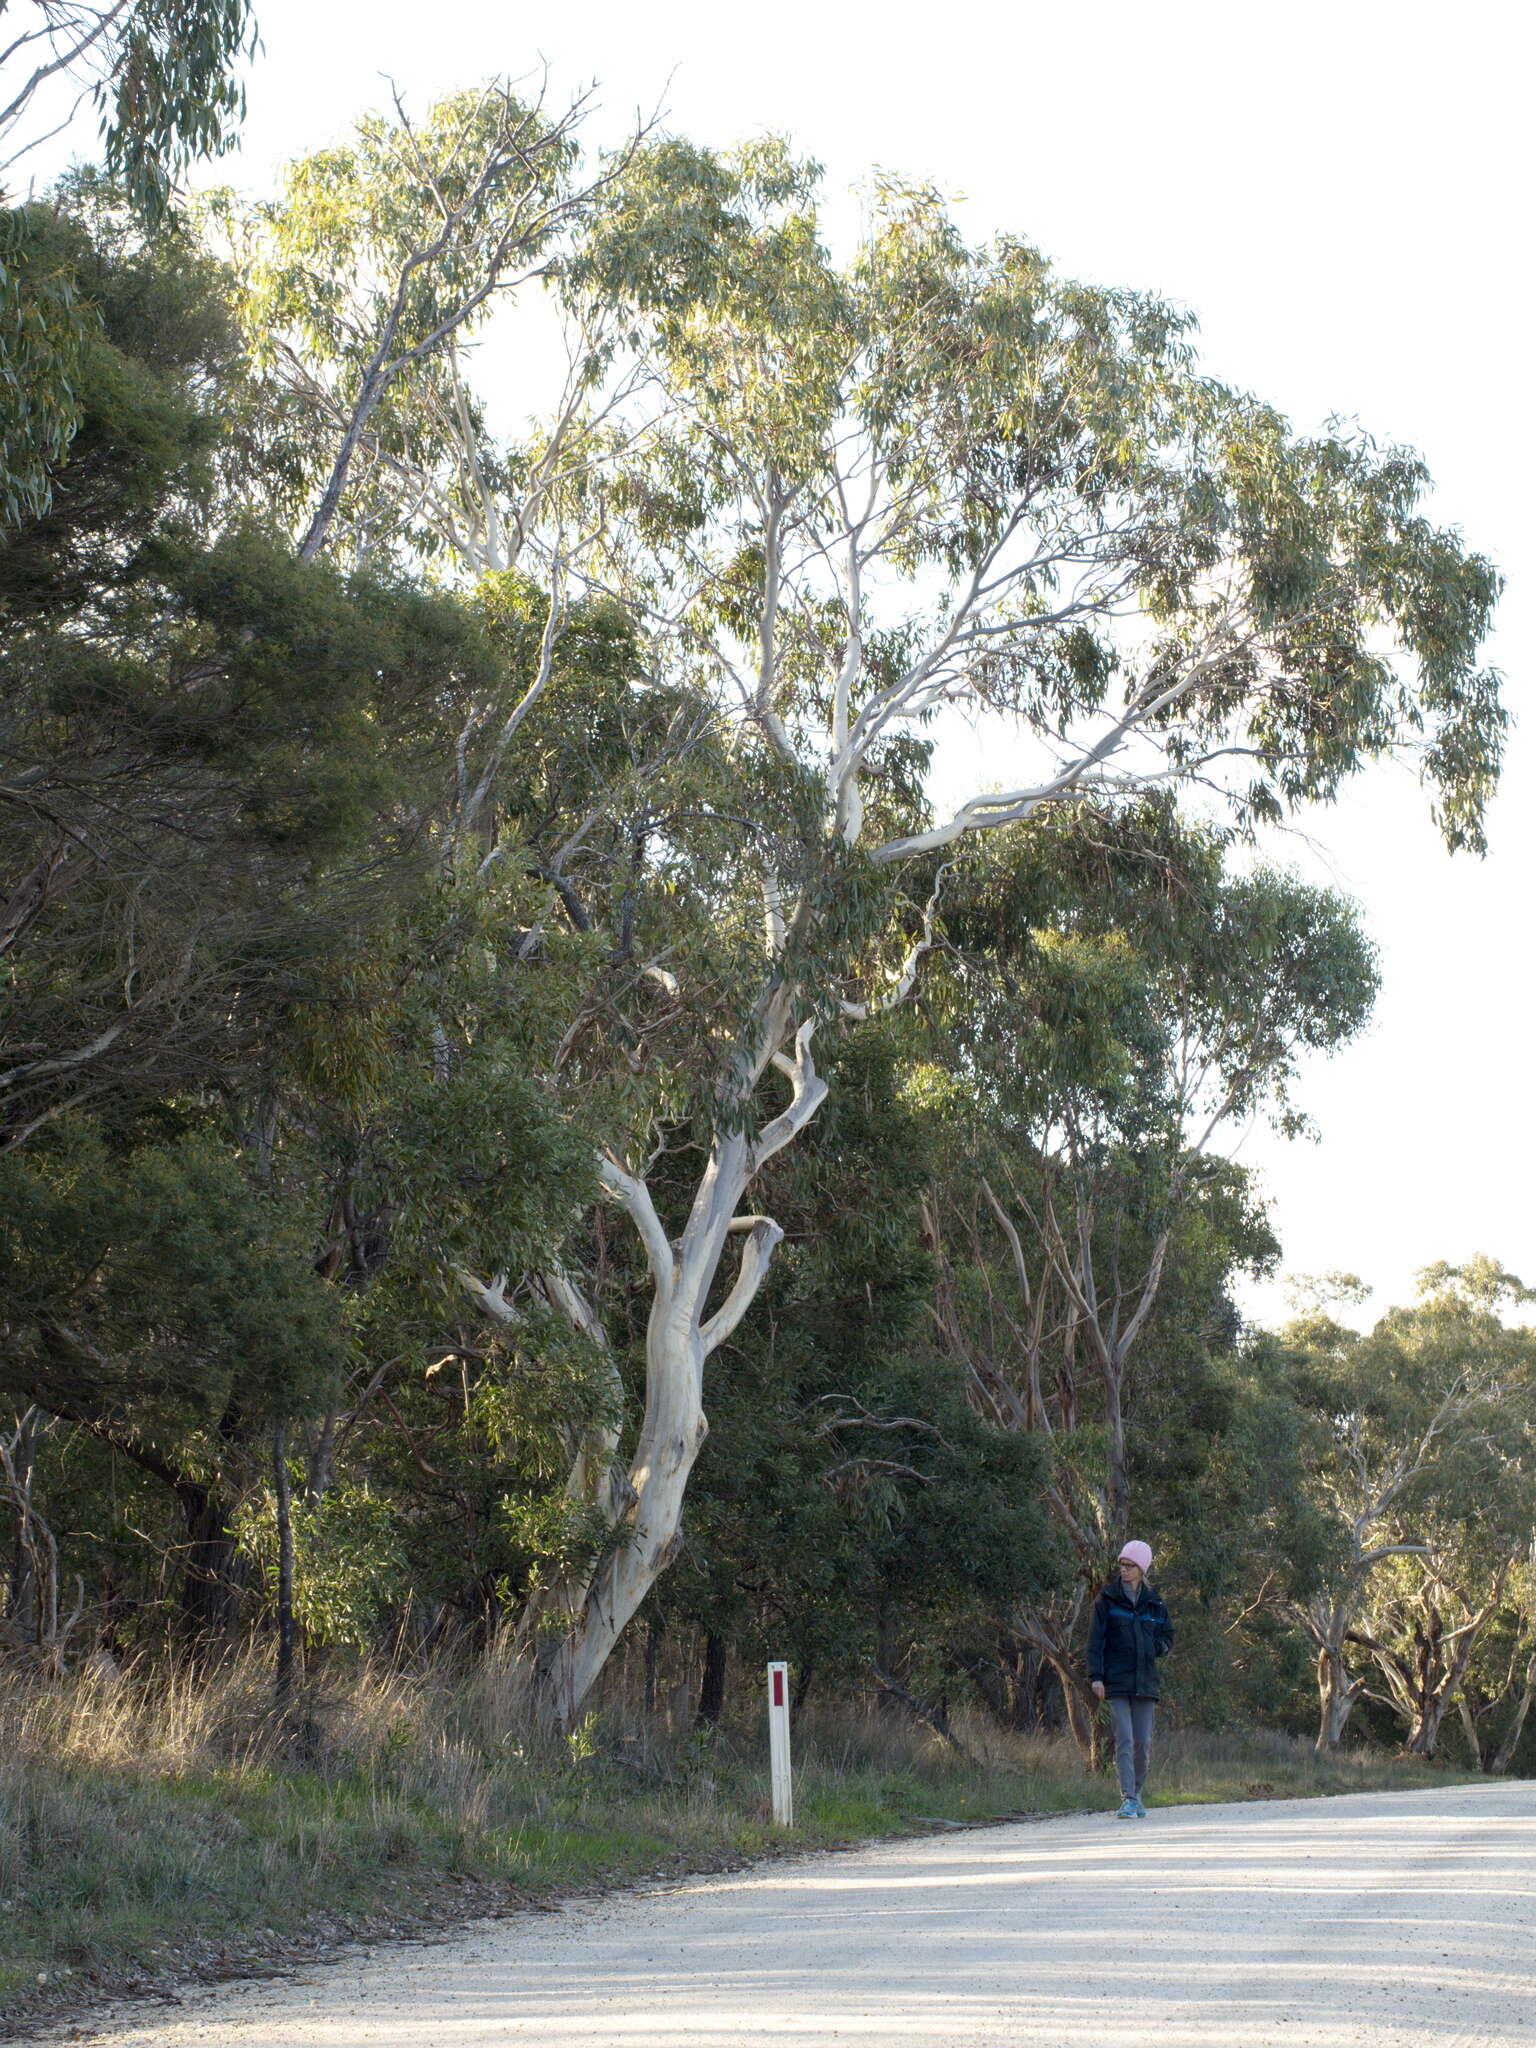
x=1126, y=1638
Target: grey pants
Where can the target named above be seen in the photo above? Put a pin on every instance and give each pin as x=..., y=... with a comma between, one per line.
x=1133, y=1742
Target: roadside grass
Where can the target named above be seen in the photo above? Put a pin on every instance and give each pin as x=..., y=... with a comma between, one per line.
x=160, y=1827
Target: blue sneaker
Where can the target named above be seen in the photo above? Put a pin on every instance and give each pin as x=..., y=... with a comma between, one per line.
x=1130, y=1809
x=1141, y=1811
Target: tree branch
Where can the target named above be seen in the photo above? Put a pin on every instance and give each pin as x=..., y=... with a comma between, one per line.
x=763, y=1238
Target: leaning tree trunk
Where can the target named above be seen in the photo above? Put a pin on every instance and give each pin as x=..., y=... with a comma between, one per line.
x=1082, y=1711
x=21, y=1595
x=649, y=1498
x=571, y=1631
x=1056, y=1642
x=566, y=1666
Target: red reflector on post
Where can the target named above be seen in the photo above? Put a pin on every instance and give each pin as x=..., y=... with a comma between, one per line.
x=778, y=1688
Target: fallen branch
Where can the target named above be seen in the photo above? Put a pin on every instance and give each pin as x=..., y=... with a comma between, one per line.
x=931, y=1717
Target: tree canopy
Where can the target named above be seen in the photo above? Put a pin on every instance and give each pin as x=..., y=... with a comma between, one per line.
x=518, y=1111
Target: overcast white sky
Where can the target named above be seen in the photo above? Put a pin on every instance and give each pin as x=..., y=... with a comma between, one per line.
x=1336, y=190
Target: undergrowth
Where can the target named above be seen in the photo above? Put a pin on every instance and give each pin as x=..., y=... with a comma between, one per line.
x=158, y=1824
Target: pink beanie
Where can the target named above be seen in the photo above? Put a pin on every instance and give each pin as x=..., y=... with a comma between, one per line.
x=1137, y=1553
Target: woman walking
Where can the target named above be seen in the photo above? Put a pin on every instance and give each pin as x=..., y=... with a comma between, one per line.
x=1129, y=1632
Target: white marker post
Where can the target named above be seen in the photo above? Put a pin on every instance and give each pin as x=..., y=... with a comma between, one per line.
x=778, y=1745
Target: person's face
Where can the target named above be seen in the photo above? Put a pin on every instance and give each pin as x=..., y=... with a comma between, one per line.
x=1131, y=1573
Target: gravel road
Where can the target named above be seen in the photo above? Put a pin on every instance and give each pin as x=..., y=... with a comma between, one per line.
x=1388, y=1920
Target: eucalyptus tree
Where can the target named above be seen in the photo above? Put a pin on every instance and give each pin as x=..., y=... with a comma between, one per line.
x=1498, y=1688
x=833, y=500
x=47, y=329
x=1112, y=1004
x=1417, y=1452
x=365, y=280
x=1431, y=1610
x=847, y=497
x=1429, y=1616
x=1180, y=997
x=851, y=1510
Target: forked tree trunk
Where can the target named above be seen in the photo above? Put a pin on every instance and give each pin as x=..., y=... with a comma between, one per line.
x=1424, y=1685
x=1425, y=1734
x=1423, y=1691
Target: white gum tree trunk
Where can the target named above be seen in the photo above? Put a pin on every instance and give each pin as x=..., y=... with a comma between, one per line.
x=572, y=1637
x=1337, y=1688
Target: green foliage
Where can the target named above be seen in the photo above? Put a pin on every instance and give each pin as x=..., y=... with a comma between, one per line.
x=45, y=334
x=160, y=72
x=358, y=283
x=170, y=94
x=151, y=1284
x=1111, y=965
x=1050, y=436
x=156, y=338
x=163, y=76
x=347, y=214
x=220, y=746
x=351, y=1559
x=1417, y=1452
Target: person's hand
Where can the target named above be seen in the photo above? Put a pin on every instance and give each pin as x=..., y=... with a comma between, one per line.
x=1098, y=1688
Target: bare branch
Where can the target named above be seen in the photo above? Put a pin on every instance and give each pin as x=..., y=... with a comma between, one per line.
x=635, y=1197
x=763, y=1237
